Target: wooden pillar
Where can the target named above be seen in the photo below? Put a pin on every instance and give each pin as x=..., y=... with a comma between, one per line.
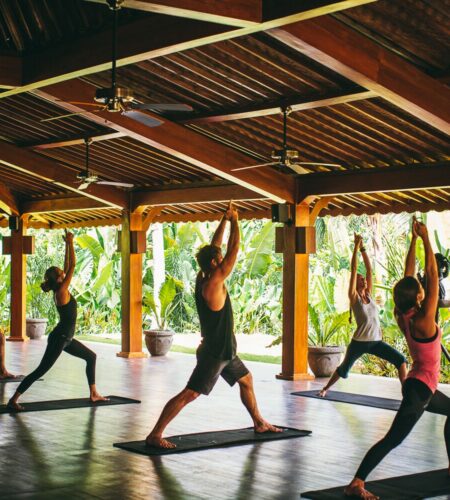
x=131, y=288
x=18, y=283
x=294, y=365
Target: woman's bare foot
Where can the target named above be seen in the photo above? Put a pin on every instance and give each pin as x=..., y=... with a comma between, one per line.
x=5, y=375
x=356, y=488
x=323, y=393
x=95, y=397
x=159, y=442
x=13, y=405
x=264, y=426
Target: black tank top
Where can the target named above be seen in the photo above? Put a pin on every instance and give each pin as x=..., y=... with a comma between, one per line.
x=67, y=318
x=216, y=327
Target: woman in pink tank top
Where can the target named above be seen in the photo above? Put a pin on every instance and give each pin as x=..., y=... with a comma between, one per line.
x=415, y=310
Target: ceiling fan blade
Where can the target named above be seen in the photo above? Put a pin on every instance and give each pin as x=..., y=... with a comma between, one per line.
x=318, y=164
x=255, y=166
x=112, y=183
x=162, y=106
x=84, y=185
x=143, y=118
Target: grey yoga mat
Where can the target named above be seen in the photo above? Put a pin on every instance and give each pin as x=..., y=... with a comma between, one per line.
x=17, y=378
x=414, y=486
x=204, y=440
x=65, y=404
x=355, y=399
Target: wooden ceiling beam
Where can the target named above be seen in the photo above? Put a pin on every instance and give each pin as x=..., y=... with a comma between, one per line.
x=199, y=217
x=8, y=202
x=169, y=34
x=298, y=103
x=51, y=171
x=379, y=180
x=356, y=57
x=111, y=221
x=185, y=194
x=60, y=205
x=182, y=143
x=73, y=141
x=10, y=71
x=230, y=12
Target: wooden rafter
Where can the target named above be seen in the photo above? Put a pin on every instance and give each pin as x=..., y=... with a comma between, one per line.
x=361, y=60
x=52, y=171
x=273, y=108
x=74, y=141
x=60, y=205
x=8, y=202
x=91, y=54
x=433, y=175
x=180, y=142
x=187, y=194
x=198, y=217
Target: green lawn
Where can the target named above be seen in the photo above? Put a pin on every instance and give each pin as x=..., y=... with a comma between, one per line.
x=187, y=350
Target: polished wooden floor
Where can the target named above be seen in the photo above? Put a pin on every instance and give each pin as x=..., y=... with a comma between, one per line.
x=69, y=453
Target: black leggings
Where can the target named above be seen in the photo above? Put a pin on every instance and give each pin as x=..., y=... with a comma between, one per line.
x=56, y=344
x=417, y=397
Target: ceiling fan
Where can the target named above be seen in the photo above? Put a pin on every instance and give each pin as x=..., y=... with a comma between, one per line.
x=86, y=178
x=285, y=159
x=121, y=99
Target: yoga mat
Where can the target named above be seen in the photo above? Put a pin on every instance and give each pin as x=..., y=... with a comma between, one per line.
x=355, y=399
x=18, y=378
x=65, y=404
x=415, y=486
x=205, y=440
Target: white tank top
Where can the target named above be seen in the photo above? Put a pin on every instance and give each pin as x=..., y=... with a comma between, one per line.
x=367, y=321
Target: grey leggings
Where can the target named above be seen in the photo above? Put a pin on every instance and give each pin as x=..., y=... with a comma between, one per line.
x=417, y=398
x=57, y=343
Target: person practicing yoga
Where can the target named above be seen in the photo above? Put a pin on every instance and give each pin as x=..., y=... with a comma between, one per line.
x=216, y=354
x=367, y=337
x=61, y=338
x=415, y=310
x=4, y=373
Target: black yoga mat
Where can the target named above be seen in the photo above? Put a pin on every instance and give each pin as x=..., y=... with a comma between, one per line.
x=354, y=399
x=65, y=404
x=217, y=439
x=18, y=378
x=415, y=486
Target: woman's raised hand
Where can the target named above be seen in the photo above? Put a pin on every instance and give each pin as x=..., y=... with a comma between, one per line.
x=358, y=240
x=419, y=229
x=68, y=237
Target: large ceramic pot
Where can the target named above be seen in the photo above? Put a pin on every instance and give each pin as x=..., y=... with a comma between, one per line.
x=158, y=342
x=35, y=327
x=324, y=360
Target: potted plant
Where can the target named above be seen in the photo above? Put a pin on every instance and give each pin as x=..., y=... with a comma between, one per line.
x=159, y=340
x=324, y=355
x=35, y=324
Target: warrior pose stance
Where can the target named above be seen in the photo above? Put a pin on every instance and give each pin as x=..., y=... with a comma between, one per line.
x=367, y=337
x=216, y=354
x=61, y=338
x=415, y=310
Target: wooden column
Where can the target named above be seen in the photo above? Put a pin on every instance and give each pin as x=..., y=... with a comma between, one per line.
x=294, y=365
x=18, y=283
x=131, y=289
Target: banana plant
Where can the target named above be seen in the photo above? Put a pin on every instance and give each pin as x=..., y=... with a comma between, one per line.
x=167, y=293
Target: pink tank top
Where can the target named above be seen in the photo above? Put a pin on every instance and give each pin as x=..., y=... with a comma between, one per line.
x=426, y=356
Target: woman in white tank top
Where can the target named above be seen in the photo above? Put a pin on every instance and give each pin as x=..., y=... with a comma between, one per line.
x=367, y=338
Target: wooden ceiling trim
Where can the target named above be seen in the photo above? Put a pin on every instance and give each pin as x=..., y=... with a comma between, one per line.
x=413, y=177
x=50, y=171
x=181, y=142
x=230, y=12
x=63, y=143
x=187, y=194
x=334, y=45
x=65, y=204
x=199, y=217
x=393, y=208
x=8, y=202
x=297, y=103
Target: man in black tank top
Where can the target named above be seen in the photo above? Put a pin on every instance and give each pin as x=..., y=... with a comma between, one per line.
x=216, y=355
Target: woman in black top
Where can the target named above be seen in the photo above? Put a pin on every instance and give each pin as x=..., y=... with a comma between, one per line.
x=61, y=338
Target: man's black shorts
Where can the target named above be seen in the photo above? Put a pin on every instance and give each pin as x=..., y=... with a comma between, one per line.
x=208, y=369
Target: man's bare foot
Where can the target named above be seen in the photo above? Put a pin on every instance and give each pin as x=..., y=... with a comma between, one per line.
x=12, y=405
x=264, y=426
x=95, y=397
x=159, y=442
x=322, y=393
x=356, y=488
x=5, y=375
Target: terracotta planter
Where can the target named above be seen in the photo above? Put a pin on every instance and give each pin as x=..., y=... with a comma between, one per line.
x=158, y=342
x=35, y=327
x=324, y=360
